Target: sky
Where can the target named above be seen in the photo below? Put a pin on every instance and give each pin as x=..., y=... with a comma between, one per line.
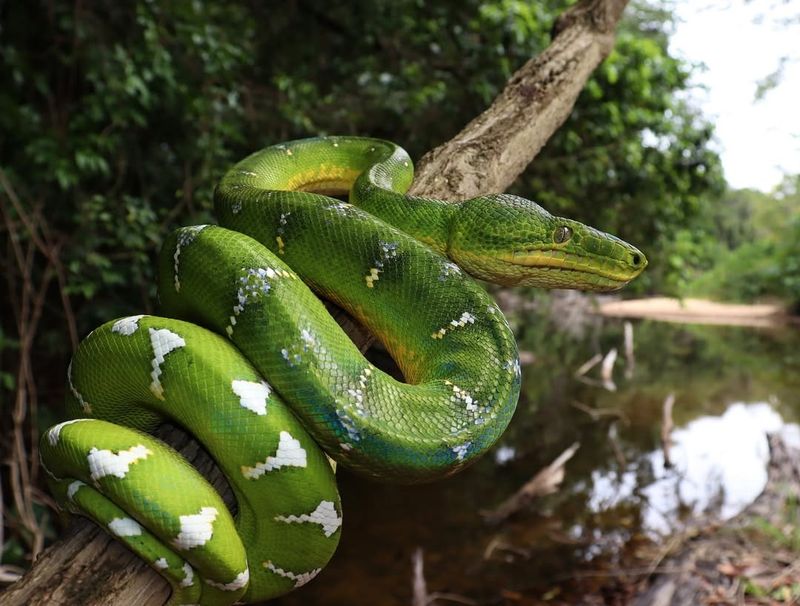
x=758, y=141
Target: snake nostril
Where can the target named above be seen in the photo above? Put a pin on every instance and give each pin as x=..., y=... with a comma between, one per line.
x=636, y=259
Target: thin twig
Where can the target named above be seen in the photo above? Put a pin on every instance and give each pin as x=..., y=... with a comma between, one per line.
x=419, y=590
x=588, y=365
x=666, y=429
x=545, y=482
x=613, y=439
x=598, y=413
x=607, y=369
x=630, y=359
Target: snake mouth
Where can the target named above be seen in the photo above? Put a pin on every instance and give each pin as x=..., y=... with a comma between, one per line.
x=577, y=271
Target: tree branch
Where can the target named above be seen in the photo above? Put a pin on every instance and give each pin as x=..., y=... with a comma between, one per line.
x=88, y=567
x=495, y=147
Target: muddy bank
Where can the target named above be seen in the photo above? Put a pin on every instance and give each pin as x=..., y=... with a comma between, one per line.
x=751, y=559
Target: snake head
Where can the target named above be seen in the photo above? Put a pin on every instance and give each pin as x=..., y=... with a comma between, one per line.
x=512, y=241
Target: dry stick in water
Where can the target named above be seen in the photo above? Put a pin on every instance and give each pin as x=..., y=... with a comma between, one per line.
x=420, y=590
x=543, y=483
x=630, y=359
x=666, y=428
x=613, y=439
x=607, y=370
x=588, y=365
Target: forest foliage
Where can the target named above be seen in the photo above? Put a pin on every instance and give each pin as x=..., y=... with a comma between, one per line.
x=753, y=250
x=117, y=119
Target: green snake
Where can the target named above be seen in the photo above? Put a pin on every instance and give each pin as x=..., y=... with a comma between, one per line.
x=249, y=361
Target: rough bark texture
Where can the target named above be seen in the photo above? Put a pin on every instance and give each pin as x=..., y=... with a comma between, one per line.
x=87, y=567
x=495, y=147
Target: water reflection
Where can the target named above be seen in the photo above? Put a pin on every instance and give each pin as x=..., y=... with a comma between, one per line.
x=731, y=385
x=718, y=467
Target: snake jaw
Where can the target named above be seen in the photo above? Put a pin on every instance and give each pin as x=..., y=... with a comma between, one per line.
x=570, y=270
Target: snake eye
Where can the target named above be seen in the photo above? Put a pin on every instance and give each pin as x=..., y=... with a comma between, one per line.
x=562, y=234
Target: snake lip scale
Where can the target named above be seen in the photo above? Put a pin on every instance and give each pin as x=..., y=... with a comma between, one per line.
x=615, y=280
x=247, y=359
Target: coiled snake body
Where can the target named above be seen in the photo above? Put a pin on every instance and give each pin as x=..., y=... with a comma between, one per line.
x=249, y=361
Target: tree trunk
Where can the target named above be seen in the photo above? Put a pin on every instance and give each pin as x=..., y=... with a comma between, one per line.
x=87, y=567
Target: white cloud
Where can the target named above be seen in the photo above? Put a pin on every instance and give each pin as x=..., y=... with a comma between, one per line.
x=759, y=140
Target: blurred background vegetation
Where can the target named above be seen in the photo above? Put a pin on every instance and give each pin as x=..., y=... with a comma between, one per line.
x=117, y=119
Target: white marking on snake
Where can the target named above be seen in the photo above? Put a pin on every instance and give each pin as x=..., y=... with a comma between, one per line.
x=281, y=230
x=196, y=528
x=449, y=269
x=299, y=579
x=460, y=395
x=104, y=463
x=163, y=341
x=466, y=318
x=73, y=488
x=514, y=367
x=125, y=527
x=161, y=563
x=188, y=575
x=85, y=406
x=342, y=208
x=372, y=277
x=325, y=515
x=461, y=450
x=186, y=236
x=388, y=250
x=289, y=454
x=241, y=580
x=358, y=391
x=54, y=433
x=254, y=284
x=348, y=425
x=252, y=396
x=127, y=326
x=308, y=338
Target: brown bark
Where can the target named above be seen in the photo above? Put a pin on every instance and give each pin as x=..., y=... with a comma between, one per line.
x=495, y=147
x=89, y=568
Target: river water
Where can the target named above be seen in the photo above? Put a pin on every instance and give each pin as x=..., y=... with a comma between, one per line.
x=618, y=498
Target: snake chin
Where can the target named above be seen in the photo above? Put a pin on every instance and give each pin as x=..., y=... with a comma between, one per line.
x=566, y=278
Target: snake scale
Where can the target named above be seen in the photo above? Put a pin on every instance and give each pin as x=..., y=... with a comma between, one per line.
x=248, y=360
